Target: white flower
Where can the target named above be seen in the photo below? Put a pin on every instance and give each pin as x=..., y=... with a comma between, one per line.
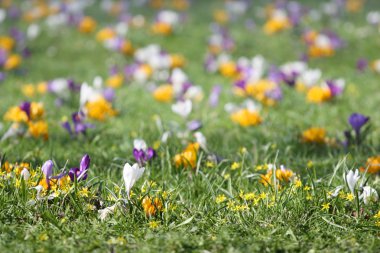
x=25, y=174
x=33, y=31
x=88, y=94
x=3, y=15
x=169, y=17
x=103, y=213
x=194, y=93
x=351, y=179
x=131, y=174
x=182, y=108
x=310, y=77
x=201, y=139
x=336, y=191
x=165, y=136
x=293, y=67
x=14, y=130
x=369, y=195
x=139, y=144
x=373, y=17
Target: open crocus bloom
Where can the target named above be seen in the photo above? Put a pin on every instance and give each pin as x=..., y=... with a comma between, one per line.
x=351, y=179
x=369, y=195
x=130, y=175
x=81, y=172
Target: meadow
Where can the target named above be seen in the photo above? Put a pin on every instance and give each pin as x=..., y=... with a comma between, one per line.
x=189, y=126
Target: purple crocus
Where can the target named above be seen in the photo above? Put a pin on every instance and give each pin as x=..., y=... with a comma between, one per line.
x=194, y=125
x=25, y=106
x=47, y=170
x=335, y=88
x=143, y=156
x=357, y=121
x=81, y=172
x=361, y=64
x=79, y=127
x=214, y=96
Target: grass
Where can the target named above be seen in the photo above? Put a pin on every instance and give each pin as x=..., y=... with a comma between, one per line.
x=285, y=220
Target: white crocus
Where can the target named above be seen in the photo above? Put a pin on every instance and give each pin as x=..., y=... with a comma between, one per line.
x=25, y=174
x=130, y=175
x=139, y=144
x=369, y=195
x=351, y=179
x=88, y=93
x=33, y=31
x=103, y=213
x=3, y=15
x=201, y=139
x=182, y=108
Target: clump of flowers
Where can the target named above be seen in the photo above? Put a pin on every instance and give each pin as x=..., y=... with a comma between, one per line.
x=322, y=44
x=165, y=22
x=152, y=206
x=78, y=126
x=246, y=115
x=283, y=175
x=142, y=152
x=27, y=120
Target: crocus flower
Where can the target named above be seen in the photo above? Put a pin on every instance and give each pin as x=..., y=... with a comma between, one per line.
x=79, y=127
x=214, y=96
x=182, y=108
x=369, y=195
x=81, y=172
x=25, y=174
x=361, y=64
x=142, y=152
x=47, y=170
x=194, y=125
x=351, y=179
x=130, y=175
x=357, y=121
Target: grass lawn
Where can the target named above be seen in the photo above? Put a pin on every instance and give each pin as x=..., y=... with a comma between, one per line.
x=213, y=205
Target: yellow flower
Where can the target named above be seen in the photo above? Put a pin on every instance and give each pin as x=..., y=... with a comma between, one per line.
x=162, y=28
x=350, y=196
x=87, y=25
x=309, y=197
x=105, y=34
x=43, y=237
x=42, y=88
x=228, y=69
x=210, y=164
x=220, y=198
x=373, y=165
x=115, y=81
x=36, y=110
x=274, y=25
x=176, y=61
x=316, y=51
x=164, y=93
x=39, y=129
x=13, y=62
x=100, y=109
x=188, y=158
x=235, y=166
x=298, y=183
x=221, y=16
x=84, y=192
x=154, y=224
x=377, y=216
x=249, y=196
x=15, y=114
x=245, y=117
x=127, y=48
x=325, y=206
x=260, y=89
x=314, y=135
x=318, y=94
x=151, y=207
x=226, y=176
x=6, y=43
x=28, y=90
x=307, y=188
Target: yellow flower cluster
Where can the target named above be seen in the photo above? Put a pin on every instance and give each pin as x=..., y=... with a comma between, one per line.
x=314, y=135
x=188, y=157
x=151, y=206
x=99, y=109
x=373, y=165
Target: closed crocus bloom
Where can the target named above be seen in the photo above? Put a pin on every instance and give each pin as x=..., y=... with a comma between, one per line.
x=228, y=69
x=357, y=121
x=36, y=110
x=25, y=174
x=115, y=81
x=151, y=207
x=318, y=94
x=246, y=117
x=130, y=175
x=369, y=195
x=372, y=165
x=351, y=179
x=81, y=172
x=47, y=170
x=39, y=129
x=6, y=43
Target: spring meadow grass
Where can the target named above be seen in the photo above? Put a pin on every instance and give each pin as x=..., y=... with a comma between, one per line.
x=240, y=202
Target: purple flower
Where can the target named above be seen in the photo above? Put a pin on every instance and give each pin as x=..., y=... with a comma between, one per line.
x=334, y=88
x=81, y=172
x=143, y=156
x=361, y=64
x=25, y=106
x=357, y=121
x=47, y=170
x=214, y=96
x=79, y=127
x=194, y=125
